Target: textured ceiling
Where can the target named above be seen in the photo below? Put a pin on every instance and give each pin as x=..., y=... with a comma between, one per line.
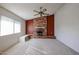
x=25, y=10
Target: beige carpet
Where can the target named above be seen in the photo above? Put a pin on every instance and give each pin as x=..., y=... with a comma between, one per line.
x=40, y=47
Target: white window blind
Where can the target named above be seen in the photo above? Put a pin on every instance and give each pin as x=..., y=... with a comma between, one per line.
x=9, y=26
x=6, y=26
x=17, y=27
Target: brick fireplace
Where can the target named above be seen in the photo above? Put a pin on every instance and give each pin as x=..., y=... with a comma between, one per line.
x=41, y=26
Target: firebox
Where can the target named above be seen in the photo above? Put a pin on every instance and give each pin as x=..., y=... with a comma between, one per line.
x=39, y=31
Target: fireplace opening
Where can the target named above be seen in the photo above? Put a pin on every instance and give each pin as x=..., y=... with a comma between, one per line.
x=40, y=31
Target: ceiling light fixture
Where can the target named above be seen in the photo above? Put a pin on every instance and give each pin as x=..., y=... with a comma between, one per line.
x=41, y=12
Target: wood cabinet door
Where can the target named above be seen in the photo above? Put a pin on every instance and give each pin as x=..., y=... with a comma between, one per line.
x=29, y=27
x=50, y=26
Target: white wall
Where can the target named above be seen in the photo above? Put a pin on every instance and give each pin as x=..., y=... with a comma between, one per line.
x=67, y=25
x=9, y=40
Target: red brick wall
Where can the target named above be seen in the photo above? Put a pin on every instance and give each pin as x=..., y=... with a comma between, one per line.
x=40, y=22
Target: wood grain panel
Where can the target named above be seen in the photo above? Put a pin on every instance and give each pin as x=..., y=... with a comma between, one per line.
x=29, y=27
x=50, y=25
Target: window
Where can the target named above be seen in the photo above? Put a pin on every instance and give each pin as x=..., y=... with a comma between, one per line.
x=17, y=27
x=6, y=26
x=9, y=26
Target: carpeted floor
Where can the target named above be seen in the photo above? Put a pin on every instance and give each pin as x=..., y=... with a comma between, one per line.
x=40, y=47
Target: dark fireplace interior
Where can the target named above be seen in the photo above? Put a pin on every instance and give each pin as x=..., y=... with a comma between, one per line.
x=39, y=31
